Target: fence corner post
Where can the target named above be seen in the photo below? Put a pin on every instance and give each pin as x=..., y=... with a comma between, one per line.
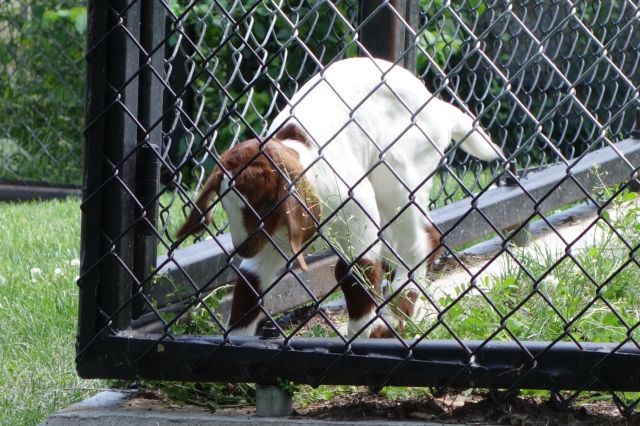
x=387, y=30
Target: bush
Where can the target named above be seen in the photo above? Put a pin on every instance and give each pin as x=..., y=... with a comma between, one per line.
x=41, y=90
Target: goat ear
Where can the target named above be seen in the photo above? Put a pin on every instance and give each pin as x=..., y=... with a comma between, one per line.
x=200, y=217
x=298, y=223
x=300, y=214
x=299, y=211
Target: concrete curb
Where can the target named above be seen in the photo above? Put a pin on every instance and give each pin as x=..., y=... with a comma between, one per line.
x=114, y=408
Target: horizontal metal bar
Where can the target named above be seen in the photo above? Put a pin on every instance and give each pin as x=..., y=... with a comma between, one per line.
x=539, y=192
x=371, y=362
x=18, y=191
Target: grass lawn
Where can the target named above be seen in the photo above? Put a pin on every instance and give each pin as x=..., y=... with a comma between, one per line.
x=39, y=254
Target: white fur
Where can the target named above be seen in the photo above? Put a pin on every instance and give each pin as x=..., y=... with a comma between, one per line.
x=378, y=134
x=355, y=326
x=360, y=111
x=233, y=204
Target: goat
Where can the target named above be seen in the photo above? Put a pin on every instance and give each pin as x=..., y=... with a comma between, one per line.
x=349, y=160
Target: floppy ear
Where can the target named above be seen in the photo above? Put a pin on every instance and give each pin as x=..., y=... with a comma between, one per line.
x=200, y=217
x=299, y=225
x=299, y=211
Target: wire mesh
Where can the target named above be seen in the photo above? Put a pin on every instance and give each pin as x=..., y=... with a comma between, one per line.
x=553, y=83
x=41, y=76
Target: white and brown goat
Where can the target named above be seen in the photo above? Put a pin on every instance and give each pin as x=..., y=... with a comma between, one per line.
x=350, y=158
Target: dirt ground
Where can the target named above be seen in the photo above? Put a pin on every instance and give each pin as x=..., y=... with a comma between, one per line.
x=468, y=410
x=473, y=409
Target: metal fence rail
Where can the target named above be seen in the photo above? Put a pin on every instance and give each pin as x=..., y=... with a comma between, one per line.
x=41, y=102
x=173, y=85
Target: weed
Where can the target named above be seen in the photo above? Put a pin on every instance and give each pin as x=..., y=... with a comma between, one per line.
x=208, y=395
x=288, y=386
x=589, y=295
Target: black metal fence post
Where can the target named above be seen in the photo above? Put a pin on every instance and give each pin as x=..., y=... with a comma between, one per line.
x=111, y=137
x=92, y=170
x=150, y=141
x=386, y=30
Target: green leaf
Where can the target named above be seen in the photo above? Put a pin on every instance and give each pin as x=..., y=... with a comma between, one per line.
x=38, y=13
x=610, y=319
x=80, y=21
x=50, y=17
x=64, y=13
x=509, y=282
x=75, y=12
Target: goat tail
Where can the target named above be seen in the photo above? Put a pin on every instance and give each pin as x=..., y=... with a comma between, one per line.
x=473, y=139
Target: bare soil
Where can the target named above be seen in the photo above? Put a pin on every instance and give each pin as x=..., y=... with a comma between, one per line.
x=455, y=409
x=474, y=409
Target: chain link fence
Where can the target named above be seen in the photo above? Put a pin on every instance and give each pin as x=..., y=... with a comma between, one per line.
x=41, y=94
x=536, y=286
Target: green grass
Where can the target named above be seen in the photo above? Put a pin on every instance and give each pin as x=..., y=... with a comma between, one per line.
x=448, y=188
x=38, y=310
x=592, y=295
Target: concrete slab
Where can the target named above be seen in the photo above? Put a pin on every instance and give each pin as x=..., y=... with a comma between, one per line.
x=113, y=408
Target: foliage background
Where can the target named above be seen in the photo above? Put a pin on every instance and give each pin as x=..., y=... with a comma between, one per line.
x=41, y=90
x=233, y=78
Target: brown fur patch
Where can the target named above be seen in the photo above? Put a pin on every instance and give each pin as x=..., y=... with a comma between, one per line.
x=434, y=239
x=262, y=175
x=245, y=304
x=200, y=217
x=294, y=132
x=356, y=294
x=255, y=177
x=407, y=303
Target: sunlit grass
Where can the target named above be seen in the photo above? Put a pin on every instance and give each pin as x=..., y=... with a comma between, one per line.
x=591, y=295
x=38, y=310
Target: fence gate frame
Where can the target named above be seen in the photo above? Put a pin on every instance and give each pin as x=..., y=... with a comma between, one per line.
x=119, y=238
